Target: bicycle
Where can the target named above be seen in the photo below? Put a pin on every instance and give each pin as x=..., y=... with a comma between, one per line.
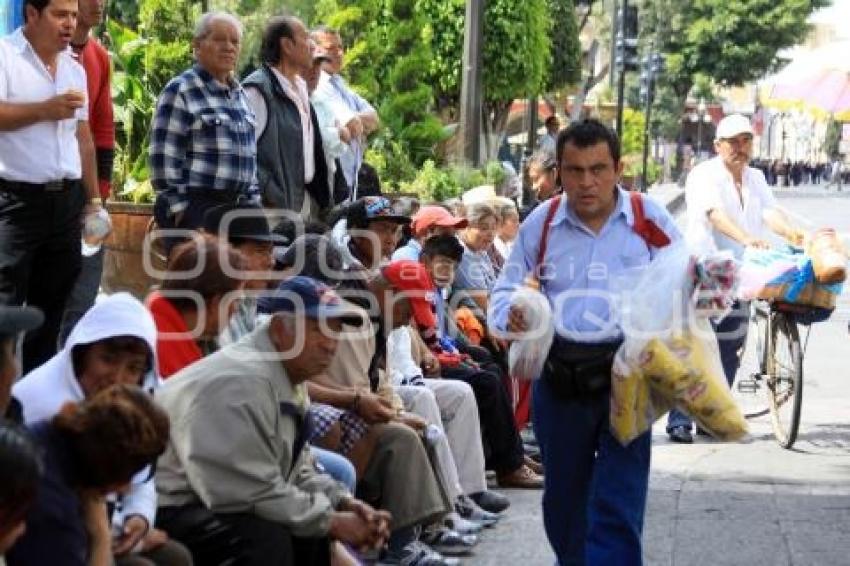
x=779, y=363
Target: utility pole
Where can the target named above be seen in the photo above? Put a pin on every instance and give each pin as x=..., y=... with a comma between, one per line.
x=627, y=60
x=653, y=65
x=471, y=95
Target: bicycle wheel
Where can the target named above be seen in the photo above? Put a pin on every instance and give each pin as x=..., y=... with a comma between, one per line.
x=751, y=387
x=784, y=378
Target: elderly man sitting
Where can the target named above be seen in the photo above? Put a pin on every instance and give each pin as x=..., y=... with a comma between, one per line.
x=235, y=482
x=202, y=150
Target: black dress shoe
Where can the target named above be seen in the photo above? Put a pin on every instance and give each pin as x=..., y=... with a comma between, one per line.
x=491, y=501
x=680, y=434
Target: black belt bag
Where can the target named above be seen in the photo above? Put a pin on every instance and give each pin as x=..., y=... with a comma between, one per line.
x=574, y=370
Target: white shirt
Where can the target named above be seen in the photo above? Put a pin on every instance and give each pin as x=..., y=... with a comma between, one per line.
x=44, y=151
x=710, y=186
x=345, y=104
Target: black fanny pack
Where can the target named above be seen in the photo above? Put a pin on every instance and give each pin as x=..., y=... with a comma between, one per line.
x=575, y=370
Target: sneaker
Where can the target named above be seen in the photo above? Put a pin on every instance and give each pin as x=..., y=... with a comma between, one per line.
x=468, y=509
x=416, y=554
x=681, y=435
x=460, y=525
x=448, y=542
x=491, y=501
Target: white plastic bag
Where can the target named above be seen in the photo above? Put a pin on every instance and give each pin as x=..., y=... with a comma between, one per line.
x=528, y=354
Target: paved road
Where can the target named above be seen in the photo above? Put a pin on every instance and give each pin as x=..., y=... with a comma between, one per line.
x=751, y=503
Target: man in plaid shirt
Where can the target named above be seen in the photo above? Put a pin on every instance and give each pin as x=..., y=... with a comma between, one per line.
x=203, y=150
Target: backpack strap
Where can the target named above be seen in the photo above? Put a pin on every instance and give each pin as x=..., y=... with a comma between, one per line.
x=544, y=236
x=644, y=227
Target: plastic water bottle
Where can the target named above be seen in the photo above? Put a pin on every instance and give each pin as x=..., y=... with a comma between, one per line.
x=95, y=229
x=432, y=434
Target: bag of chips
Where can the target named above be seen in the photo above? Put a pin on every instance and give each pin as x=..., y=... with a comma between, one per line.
x=669, y=357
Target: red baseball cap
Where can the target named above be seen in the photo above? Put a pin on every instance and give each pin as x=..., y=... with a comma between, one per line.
x=435, y=216
x=412, y=278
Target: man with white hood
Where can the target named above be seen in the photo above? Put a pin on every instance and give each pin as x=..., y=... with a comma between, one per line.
x=114, y=343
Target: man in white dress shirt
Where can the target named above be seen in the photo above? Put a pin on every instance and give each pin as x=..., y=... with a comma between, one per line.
x=352, y=110
x=730, y=207
x=48, y=172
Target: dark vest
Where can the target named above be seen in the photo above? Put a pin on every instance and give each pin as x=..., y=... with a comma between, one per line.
x=280, y=152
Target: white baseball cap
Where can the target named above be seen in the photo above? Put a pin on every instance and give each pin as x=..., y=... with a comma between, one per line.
x=733, y=125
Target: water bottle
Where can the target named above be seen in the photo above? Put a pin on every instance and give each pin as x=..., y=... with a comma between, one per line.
x=95, y=229
x=432, y=434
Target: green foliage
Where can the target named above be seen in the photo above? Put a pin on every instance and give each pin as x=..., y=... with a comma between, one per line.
x=565, y=69
x=517, y=47
x=633, y=125
x=168, y=24
x=731, y=42
x=144, y=62
x=435, y=184
x=134, y=100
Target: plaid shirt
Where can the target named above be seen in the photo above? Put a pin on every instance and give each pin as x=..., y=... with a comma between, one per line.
x=203, y=138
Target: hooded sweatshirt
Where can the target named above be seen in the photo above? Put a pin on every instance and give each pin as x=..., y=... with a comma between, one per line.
x=44, y=390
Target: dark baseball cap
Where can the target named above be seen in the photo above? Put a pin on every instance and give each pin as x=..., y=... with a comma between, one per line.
x=379, y=208
x=313, y=299
x=243, y=224
x=19, y=319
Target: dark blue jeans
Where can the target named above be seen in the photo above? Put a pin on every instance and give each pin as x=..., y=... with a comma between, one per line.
x=595, y=489
x=731, y=334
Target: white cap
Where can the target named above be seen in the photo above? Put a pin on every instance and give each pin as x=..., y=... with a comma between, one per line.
x=732, y=125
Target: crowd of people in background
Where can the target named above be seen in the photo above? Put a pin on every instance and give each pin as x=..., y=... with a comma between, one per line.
x=217, y=421
x=795, y=173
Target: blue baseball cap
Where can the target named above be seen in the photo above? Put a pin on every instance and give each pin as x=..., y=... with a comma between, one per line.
x=313, y=299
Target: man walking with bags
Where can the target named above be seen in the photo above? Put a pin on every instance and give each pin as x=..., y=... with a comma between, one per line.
x=595, y=489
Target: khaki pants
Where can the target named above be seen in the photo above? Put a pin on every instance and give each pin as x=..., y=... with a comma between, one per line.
x=451, y=406
x=399, y=479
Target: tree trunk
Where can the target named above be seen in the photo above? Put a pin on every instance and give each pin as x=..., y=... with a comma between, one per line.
x=495, y=122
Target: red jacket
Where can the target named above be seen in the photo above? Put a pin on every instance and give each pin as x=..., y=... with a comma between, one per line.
x=95, y=60
x=173, y=352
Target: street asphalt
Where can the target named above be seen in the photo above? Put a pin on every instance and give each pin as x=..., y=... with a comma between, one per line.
x=749, y=503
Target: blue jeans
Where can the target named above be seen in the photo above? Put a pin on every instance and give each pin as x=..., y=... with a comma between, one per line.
x=731, y=334
x=595, y=489
x=336, y=466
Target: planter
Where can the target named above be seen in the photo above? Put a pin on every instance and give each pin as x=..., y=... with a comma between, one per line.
x=123, y=268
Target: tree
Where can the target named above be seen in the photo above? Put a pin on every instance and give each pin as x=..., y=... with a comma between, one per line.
x=517, y=55
x=730, y=42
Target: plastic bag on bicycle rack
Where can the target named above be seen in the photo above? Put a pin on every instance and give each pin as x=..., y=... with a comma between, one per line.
x=669, y=357
x=527, y=355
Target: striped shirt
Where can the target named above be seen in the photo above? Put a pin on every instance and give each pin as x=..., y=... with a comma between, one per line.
x=202, y=137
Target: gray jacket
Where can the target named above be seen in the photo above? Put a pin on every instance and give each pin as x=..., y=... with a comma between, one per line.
x=237, y=433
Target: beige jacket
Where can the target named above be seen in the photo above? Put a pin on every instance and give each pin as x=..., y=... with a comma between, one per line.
x=350, y=366
x=233, y=433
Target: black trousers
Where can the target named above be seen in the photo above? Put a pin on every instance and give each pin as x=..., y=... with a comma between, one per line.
x=199, y=202
x=502, y=443
x=40, y=257
x=239, y=539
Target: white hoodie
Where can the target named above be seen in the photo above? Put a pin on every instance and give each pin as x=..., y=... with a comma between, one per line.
x=44, y=390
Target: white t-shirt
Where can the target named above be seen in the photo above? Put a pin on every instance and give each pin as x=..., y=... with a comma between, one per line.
x=44, y=151
x=710, y=186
